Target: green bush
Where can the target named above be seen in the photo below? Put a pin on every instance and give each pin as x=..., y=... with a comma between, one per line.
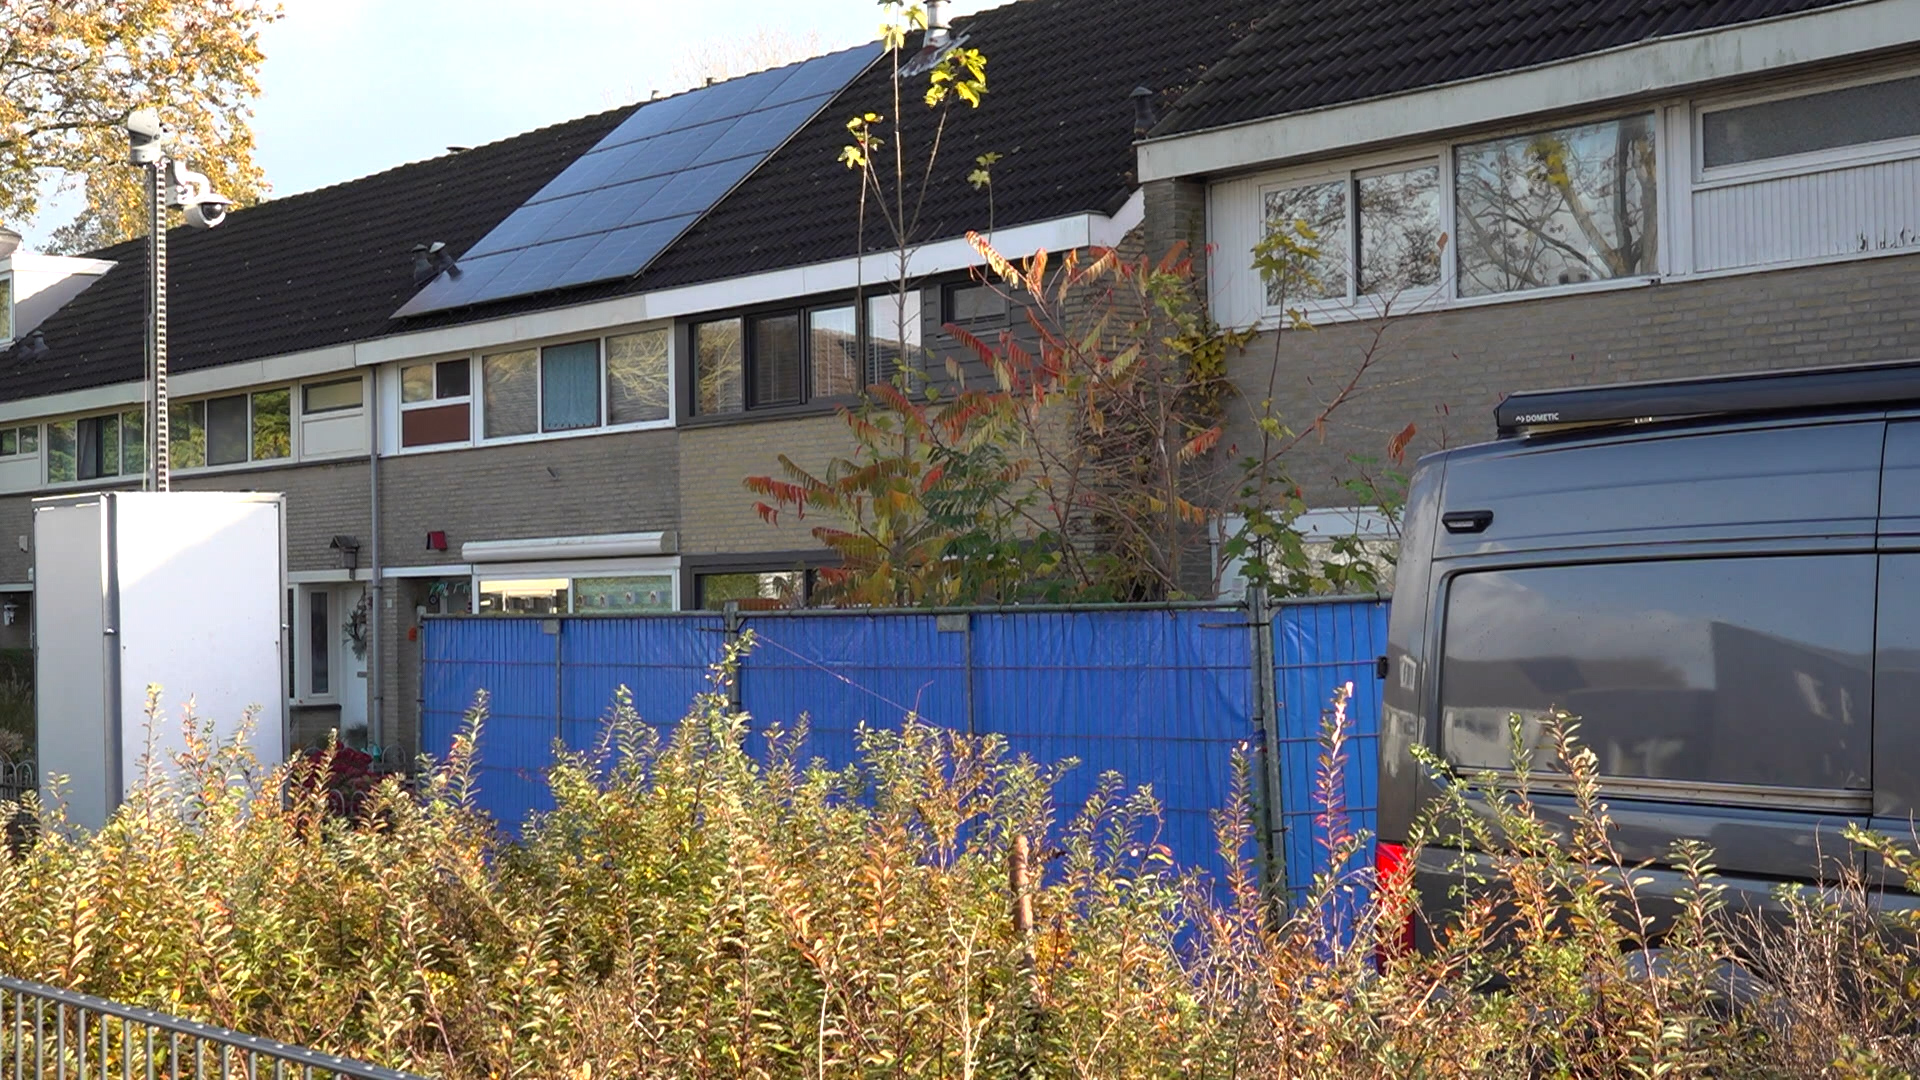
x=690, y=910
x=16, y=704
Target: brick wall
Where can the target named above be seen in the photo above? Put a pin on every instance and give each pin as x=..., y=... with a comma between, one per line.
x=323, y=501
x=1445, y=371
x=716, y=511
x=613, y=483
x=1176, y=212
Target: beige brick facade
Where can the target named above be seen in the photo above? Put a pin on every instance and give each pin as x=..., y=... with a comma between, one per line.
x=1444, y=371
x=717, y=511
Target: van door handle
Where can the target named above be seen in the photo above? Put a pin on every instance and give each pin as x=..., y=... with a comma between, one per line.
x=1467, y=521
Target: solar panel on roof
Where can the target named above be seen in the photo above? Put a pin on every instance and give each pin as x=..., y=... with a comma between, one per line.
x=618, y=206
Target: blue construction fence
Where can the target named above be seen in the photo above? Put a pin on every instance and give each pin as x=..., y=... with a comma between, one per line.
x=1160, y=695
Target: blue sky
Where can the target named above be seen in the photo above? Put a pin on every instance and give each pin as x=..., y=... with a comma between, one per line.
x=351, y=87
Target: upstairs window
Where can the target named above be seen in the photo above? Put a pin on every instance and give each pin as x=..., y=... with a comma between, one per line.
x=788, y=358
x=436, y=402
x=576, y=386
x=20, y=441
x=1392, y=213
x=1559, y=207
x=1770, y=132
x=97, y=447
x=974, y=304
x=6, y=307
x=236, y=429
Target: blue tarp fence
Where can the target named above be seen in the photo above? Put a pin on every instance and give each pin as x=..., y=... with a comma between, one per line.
x=1160, y=695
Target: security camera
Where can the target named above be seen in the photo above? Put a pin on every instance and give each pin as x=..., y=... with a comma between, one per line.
x=145, y=137
x=207, y=213
x=194, y=194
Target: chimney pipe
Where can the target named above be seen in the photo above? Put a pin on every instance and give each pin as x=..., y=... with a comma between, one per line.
x=936, y=24
x=1144, y=114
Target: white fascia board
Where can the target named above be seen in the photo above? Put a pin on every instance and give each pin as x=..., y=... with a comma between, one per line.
x=32, y=262
x=1630, y=71
x=273, y=369
x=943, y=256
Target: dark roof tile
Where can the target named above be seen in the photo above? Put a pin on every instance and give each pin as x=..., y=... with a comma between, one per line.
x=1309, y=54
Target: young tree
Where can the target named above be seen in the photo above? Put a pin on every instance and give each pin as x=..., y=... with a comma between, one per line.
x=71, y=70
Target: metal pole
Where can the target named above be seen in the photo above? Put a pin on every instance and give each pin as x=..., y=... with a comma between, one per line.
x=158, y=478
x=1266, y=713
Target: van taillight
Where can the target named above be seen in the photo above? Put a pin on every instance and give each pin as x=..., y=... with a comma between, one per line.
x=1392, y=871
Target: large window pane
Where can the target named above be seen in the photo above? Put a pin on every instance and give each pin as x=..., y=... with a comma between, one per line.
x=416, y=383
x=1743, y=671
x=1813, y=122
x=1314, y=216
x=6, y=307
x=227, y=430
x=647, y=594
x=570, y=386
x=776, y=360
x=1556, y=208
x=893, y=335
x=272, y=425
x=637, y=377
x=539, y=596
x=9, y=442
x=511, y=388
x=1399, y=216
x=133, y=442
x=717, y=378
x=833, y=347
x=99, y=447
x=753, y=591
x=187, y=434
x=61, y=450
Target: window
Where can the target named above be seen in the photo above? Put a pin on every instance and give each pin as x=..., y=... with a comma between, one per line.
x=319, y=645
x=231, y=430
x=893, y=335
x=1395, y=213
x=556, y=388
x=606, y=594
x=1556, y=207
x=973, y=304
x=436, y=403
x=20, y=441
x=833, y=341
x=96, y=447
x=330, y=396
x=6, y=307
x=1810, y=123
x=782, y=358
x=718, y=363
x=756, y=591
x=1742, y=671
x=637, y=380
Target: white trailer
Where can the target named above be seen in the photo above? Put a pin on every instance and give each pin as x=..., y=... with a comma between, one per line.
x=181, y=589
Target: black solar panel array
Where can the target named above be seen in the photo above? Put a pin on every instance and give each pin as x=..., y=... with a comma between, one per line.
x=625, y=201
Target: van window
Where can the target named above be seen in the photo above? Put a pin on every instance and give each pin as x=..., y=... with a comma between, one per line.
x=1752, y=671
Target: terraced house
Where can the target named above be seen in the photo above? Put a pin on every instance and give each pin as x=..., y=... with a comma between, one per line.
x=1538, y=193
x=530, y=377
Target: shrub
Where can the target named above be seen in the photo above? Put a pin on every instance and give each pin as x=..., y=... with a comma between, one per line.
x=690, y=908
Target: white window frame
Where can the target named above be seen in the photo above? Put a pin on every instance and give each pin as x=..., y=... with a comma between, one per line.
x=293, y=430
x=477, y=437
x=1672, y=208
x=303, y=643
x=46, y=452
x=17, y=429
x=1840, y=157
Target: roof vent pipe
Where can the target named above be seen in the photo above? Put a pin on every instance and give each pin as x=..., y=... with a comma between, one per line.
x=1144, y=114
x=936, y=24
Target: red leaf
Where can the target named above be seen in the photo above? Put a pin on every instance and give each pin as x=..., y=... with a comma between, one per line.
x=1397, y=446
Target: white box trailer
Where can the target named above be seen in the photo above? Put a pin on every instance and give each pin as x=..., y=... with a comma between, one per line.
x=181, y=589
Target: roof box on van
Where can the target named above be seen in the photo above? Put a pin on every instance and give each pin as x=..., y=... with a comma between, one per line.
x=1535, y=412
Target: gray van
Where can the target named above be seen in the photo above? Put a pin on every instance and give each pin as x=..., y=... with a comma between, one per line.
x=1719, y=576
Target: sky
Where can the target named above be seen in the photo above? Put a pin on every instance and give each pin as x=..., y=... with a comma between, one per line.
x=353, y=87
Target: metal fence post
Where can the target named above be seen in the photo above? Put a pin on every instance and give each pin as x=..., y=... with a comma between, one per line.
x=1266, y=715
x=731, y=612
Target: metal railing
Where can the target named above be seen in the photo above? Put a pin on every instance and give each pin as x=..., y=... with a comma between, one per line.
x=51, y=1034
x=16, y=779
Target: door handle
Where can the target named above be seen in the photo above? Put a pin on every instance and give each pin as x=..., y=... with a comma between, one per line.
x=1467, y=521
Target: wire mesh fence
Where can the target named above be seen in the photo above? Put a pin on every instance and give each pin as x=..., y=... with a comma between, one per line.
x=51, y=1034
